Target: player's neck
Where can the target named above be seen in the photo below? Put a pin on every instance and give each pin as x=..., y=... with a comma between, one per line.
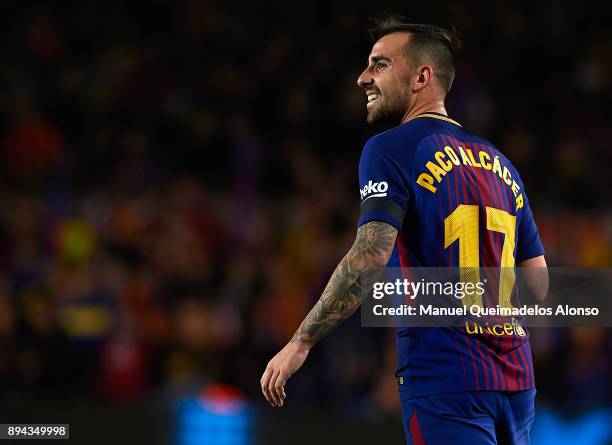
x=427, y=107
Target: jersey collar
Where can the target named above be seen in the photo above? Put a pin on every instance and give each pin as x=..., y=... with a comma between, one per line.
x=440, y=116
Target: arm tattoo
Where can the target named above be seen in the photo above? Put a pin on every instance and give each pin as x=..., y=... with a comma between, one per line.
x=350, y=283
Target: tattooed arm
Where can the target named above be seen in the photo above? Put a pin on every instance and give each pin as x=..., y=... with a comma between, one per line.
x=344, y=293
x=350, y=282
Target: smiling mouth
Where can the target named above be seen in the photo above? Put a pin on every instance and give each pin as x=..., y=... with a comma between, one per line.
x=372, y=97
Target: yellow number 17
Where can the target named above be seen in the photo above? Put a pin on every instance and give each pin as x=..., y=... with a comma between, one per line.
x=462, y=225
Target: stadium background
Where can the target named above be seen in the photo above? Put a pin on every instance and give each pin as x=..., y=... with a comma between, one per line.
x=179, y=180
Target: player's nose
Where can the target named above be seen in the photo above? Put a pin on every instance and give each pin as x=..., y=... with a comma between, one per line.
x=364, y=78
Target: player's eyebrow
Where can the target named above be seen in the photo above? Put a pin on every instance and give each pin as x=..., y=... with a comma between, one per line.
x=375, y=59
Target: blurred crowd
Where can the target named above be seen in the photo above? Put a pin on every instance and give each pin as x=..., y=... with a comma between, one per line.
x=179, y=181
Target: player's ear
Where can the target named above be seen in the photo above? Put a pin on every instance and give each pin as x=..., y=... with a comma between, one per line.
x=424, y=77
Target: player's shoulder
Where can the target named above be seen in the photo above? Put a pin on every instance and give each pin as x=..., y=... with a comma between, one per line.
x=475, y=139
x=401, y=139
x=496, y=151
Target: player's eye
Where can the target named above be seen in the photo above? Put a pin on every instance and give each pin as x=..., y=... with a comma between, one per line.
x=380, y=66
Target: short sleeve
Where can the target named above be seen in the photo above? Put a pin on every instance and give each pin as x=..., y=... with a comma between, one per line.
x=382, y=186
x=529, y=244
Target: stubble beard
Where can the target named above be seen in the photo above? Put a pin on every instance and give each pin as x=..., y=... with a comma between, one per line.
x=383, y=112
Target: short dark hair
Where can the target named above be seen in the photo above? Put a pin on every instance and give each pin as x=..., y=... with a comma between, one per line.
x=438, y=44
